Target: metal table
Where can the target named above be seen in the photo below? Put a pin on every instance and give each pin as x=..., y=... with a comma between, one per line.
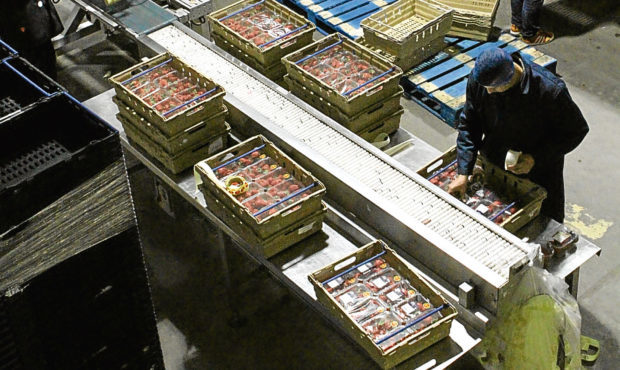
x=292, y=266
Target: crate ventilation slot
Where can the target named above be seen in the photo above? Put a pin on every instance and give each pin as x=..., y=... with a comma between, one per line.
x=8, y=106
x=31, y=162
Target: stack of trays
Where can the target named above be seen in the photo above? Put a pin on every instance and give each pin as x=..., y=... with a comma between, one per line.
x=281, y=205
x=259, y=33
x=383, y=304
x=409, y=30
x=472, y=19
x=349, y=83
x=170, y=110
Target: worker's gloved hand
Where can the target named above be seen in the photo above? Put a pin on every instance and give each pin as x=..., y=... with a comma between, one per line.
x=523, y=166
x=458, y=187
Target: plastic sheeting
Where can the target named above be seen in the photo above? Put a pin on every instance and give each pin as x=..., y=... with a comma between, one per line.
x=538, y=327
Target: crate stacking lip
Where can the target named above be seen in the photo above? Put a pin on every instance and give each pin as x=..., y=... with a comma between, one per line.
x=268, y=52
x=407, y=25
x=19, y=91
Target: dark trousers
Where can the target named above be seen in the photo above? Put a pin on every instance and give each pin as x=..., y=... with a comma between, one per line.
x=551, y=178
x=525, y=15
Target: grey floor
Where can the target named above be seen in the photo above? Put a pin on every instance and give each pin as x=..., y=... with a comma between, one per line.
x=194, y=323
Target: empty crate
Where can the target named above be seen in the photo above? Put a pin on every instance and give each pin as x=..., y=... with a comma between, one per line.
x=47, y=150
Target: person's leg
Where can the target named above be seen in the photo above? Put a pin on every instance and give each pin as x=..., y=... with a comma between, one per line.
x=530, y=16
x=552, y=179
x=517, y=11
x=530, y=20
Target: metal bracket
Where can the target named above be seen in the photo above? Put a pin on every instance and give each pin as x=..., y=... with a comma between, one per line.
x=162, y=197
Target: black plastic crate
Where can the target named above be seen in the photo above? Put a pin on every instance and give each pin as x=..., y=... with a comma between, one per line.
x=6, y=51
x=22, y=85
x=31, y=72
x=91, y=311
x=47, y=150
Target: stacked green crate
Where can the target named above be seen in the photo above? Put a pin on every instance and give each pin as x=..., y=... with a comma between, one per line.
x=349, y=83
x=170, y=110
x=262, y=194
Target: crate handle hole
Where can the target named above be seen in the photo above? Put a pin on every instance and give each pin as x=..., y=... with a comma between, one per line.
x=434, y=166
x=345, y=263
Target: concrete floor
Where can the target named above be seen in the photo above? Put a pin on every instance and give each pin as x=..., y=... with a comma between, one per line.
x=587, y=50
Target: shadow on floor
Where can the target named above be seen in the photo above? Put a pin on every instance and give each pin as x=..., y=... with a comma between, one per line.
x=84, y=72
x=592, y=327
x=576, y=17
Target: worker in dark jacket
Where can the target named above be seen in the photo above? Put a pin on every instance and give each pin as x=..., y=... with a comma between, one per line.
x=517, y=106
x=28, y=26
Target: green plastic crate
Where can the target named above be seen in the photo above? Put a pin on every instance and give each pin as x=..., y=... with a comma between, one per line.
x=274, y=223
x=268, y=54
x=412, y=344
x=178, y=162
x=191, y=136
x=176, y=121
x=353, y=103
x=528, y=194
x=472, y=19
x=406, y=26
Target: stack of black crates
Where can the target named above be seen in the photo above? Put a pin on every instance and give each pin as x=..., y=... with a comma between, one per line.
x=68, y=298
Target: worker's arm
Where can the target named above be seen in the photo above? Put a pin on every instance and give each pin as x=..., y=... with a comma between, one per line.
x=468, y=140
x=567, y=128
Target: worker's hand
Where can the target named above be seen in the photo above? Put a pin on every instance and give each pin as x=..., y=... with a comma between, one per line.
x=458, y=186
x=523, y=166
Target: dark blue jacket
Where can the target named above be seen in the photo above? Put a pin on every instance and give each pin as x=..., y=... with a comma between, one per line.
x=537, y=116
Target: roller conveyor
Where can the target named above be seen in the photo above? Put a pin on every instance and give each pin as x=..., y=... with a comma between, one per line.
x=497, y=252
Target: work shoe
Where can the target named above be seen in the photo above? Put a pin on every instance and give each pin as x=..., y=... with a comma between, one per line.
x=541, y=37
x=514, y=30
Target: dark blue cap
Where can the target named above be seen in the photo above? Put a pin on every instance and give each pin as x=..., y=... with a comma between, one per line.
x=494, y=67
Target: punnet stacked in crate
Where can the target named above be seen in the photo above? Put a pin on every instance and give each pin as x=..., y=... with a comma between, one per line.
x=259, y=33
x=502, y=197
x=262, y=194
x=383, y=304
x=472, y=19
x=409, y=30
x=349, y=83
x=173, y=112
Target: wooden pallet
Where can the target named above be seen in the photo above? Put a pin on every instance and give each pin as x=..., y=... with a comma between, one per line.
x=439, y=83
x=342, y=16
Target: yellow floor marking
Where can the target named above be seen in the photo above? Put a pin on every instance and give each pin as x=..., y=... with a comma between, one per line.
x=584, y=223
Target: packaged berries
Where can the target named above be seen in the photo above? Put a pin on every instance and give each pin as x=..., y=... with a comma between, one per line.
x=167, y=90
x=478, y=196
x=271, y=188
x=381, y=301
x=342, y=70
x=260, y=25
